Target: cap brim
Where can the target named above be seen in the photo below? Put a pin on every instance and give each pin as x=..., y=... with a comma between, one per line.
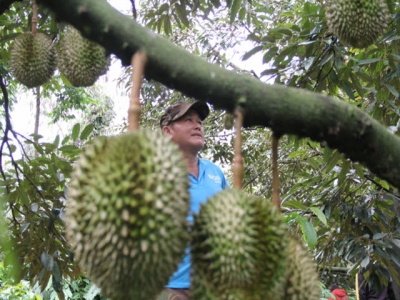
x=200, y=107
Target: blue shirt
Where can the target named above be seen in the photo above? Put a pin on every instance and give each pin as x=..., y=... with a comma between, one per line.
x=211, y=180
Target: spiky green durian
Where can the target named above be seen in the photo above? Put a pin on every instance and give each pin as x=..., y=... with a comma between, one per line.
x=81, y=60
x=357, y=22
x=33, y=59
x=239, y=247
x=126, y=213
x=301, y=280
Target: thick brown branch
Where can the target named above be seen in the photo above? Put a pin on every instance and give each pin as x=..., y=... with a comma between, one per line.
x=284, y=110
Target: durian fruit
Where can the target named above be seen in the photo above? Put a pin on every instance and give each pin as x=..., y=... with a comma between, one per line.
x=357, y=22
x=301, y=280
x=33, y=59
x=126, y=213
x=239, y=247
x=81, y=60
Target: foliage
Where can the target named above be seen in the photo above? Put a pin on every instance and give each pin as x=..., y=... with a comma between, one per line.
x=34, y=192
x=346, y=214
x=18, y=291
x=80, y=288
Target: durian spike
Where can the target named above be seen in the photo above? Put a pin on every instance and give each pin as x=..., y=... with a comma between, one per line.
x=276, y=200
x=34, y=17
x=238, y=159
x=138, y=63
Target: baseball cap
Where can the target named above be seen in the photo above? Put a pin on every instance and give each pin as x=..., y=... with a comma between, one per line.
x=178, y=109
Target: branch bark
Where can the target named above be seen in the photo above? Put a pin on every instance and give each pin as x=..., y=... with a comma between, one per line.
x=285, y=110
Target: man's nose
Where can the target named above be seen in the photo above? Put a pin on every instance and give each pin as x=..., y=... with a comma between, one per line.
x=198, y=126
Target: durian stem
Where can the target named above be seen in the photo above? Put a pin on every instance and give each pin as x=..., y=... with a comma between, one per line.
x=138, y=63
x=34, y=17
x=37, y=118
x=275, y=175
x=238, y=159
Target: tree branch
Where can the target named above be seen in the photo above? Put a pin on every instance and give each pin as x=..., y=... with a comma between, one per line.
x=285, y=110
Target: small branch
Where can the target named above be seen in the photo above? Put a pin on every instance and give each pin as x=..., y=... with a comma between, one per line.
x=134, y=12
x=238, y=159
x=7, y=127
x=276, y=200
x=37, y=118
x=138, y=63
x=34, y=17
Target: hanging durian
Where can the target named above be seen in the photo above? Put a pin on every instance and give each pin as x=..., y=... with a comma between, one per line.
x=126, y=213
x=357, y=22
x=81, y=60
x=301, y=280
x=33, y=59
x=239, y=247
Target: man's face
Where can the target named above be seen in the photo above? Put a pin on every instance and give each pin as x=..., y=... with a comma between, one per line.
x=187, y=132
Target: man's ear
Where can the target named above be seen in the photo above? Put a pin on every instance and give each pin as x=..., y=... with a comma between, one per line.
x=166, y=130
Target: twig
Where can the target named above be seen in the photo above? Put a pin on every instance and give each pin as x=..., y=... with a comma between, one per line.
x=275, y=174
x=238, y=160
x=138, y=63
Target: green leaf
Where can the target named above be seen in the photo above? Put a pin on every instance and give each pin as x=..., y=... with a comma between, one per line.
x=378, y=236
x=332, y=162
x=180, y=9
x=392, y=90
x=285, y=31
x=86, y=132
x=295, y=204
x=394, y=256
x=306, y=43
x=368, y=61
x=308, y=230
x=56, y=142
x=396, y=242
x=163, y=8
x=253, y=51
x=242, y=13
x=318, y=212
x=56, y=278
x=344, y=171
x=396, y=56
x=70, y=150
x=327, y=153
x=167, y=25
x=349, y=91
x=38, y=148
x=23, y=195
x=216, y=3
x=326, y=59
x=360, y=171
x=234, y=9
x=270, y=54
x=75, y=131
x=269, y=72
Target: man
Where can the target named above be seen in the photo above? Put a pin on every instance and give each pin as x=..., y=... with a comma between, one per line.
x=369, y=292
x=182, y=122
x=339, y=293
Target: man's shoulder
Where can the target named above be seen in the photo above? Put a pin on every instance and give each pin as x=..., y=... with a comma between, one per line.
x=209, y=164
